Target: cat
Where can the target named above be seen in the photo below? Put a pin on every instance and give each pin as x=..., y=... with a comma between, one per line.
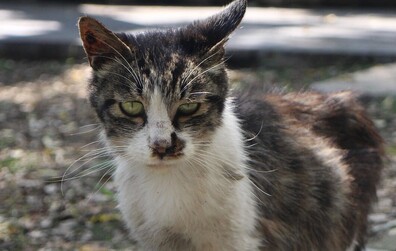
x=201, y=168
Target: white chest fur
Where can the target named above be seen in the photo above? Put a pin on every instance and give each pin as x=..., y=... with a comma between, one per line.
x=193, y=205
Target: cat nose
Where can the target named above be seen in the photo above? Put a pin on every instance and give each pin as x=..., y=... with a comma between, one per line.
x=167, y=147
x=160, y=146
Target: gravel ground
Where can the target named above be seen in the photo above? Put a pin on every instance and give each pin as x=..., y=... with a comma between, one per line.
x=48, y=134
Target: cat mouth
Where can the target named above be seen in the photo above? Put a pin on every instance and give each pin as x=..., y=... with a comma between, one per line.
x=167, y=155
x=165, y=161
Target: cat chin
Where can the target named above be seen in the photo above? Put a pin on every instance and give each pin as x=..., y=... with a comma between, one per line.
x=168, y=162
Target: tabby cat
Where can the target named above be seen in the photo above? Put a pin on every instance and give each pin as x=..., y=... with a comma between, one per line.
x=201, y=168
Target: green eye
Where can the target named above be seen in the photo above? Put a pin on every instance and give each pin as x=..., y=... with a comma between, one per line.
x=188, y=109
x=132, y=108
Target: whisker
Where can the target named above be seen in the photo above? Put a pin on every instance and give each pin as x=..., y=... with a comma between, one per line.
x=90, y=144
x=129, y=69
x=129, y=81
x=92, y=155
x=257, y=134
x=89, y=171
x=200, y=74
x=97, y=126
x=196, y=67
x=104, y=183
x=205, y=71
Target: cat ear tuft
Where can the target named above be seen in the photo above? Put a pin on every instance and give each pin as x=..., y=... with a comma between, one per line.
x=100, y=44
x=215, y=30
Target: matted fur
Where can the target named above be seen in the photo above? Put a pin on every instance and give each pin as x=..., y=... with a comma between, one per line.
x=252, y=171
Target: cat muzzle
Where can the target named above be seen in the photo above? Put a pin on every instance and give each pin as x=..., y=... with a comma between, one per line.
x=163, y=148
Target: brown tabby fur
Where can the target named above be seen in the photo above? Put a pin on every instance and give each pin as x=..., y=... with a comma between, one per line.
x=338, y=125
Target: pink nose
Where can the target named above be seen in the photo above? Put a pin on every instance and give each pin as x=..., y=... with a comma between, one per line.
x=163, y=147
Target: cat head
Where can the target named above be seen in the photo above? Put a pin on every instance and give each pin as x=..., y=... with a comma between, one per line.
x=160, y=94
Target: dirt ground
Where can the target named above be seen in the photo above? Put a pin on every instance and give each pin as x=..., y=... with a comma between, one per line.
x=56, y=191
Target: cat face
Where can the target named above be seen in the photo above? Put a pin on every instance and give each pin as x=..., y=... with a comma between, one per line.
x=159, y=111
x=160, y=95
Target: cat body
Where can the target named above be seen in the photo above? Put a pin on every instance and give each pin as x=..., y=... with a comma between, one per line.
x=201, y=169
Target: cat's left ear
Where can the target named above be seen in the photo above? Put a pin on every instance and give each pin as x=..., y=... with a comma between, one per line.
x=211, y=34
x=100, y=44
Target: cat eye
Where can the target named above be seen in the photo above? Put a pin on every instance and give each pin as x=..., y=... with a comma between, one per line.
x=188, y=109
x=132, y=108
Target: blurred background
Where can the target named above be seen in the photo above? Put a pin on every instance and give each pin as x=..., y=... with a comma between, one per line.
x=261, y=3
x=56, y=191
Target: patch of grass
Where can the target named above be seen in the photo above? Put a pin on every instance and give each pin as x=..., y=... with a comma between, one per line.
x=7, y=138
x=104, y=231
x=391, y=150
x=103, y=218
x=10, y=163
x=107, y=192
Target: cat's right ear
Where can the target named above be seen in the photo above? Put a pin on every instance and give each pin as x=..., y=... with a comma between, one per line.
x=210, y=34
x=100, y=44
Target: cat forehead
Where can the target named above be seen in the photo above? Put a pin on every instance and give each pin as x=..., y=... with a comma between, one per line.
x=162, y=46
x=175, y=76
x=160, y=60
